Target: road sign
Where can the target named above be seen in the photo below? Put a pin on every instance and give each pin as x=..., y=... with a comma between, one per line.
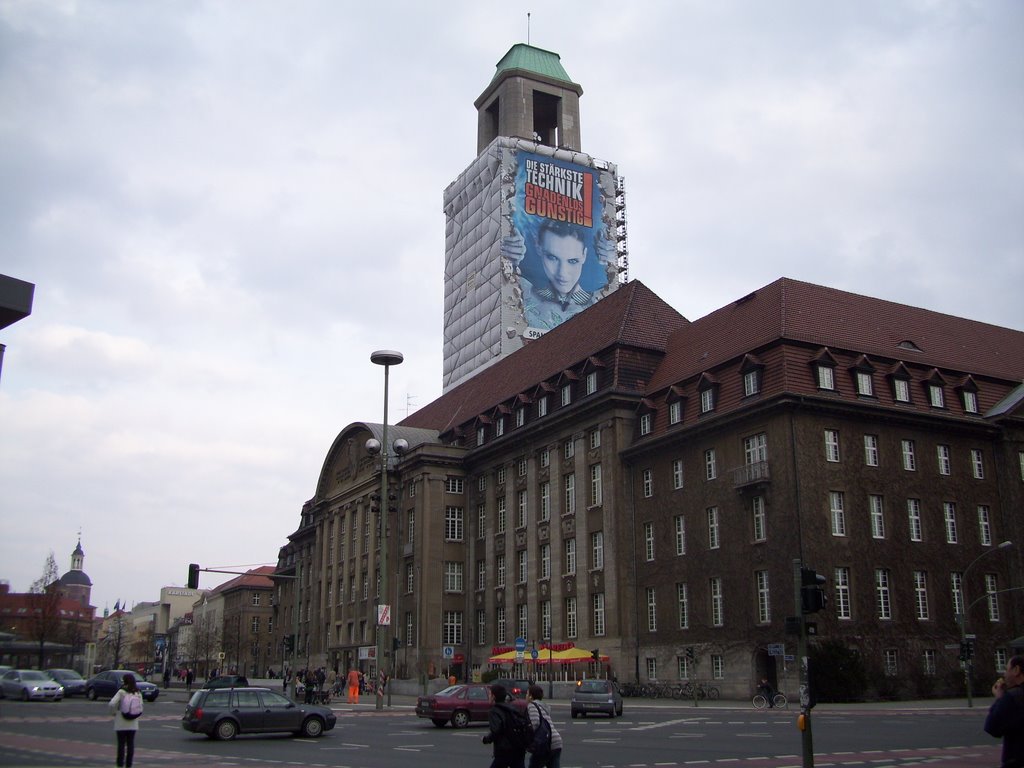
x=448, y=652
x=519, y=656
x=383, y=615
x=534, y=654
x=776, y=649
x=520, y=644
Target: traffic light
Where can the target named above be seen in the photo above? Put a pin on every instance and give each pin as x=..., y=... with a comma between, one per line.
x=812, y=596
x=193, y=576
x=396, y=643
x=690, y=655
x=595, y=654
x=289, y=643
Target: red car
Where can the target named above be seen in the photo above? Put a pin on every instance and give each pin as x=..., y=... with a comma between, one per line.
x=461, y=704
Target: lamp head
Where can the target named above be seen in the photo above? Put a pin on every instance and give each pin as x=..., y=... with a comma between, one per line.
x=373, y=446
x=400, y=446
x=386, y=357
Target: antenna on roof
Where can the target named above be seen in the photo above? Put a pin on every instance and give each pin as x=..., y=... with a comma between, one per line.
x=527, y=27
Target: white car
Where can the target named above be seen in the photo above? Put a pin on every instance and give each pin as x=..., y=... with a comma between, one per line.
x=29, y=685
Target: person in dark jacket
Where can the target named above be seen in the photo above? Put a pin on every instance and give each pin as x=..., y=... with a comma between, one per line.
x=1006, y=715
x=506, y=754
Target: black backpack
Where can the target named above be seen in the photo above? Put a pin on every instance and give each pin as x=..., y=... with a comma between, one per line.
x=540, y=744
x=518, y=729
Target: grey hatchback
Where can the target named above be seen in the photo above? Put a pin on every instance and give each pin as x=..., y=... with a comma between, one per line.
x=596, y=696
x=222, y=713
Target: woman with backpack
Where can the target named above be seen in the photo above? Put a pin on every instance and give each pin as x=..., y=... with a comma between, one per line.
x=546, y=750
x=126, y=707
x=508, y=752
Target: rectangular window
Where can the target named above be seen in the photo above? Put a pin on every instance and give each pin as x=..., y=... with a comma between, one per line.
x=677, y=474
x=942, y=456
x=481, y=520
x=717, y=605
x=597, y=550
x=832, y=445
x=984, y=526
x=901, y=390
x=545, y=458
x=566, y=394
x=710, y=468
x=649, y=541
x=481, y=574
x=570, y=556
x=648, y=483
x=452, y=628
x=877, y=516
x=883, y=606
x=890, y=666
x=410, y=526
x=481, y=627
x=453, y=523
x=683, y=667
x=410, y=578
x=977, y=464
x=759, y=518
x=499, y=571
x=865, y=386
x=481, y=435
x=936, y=396
x=595, y=439
x=591, y=382
x=755, y=449
x=764, y=612
x=523, y=565
x=871, y=450
x=826, y=377
x=713, y=540
x=499, y=624
x=675, y=412
x=481, y=483
x=520, y=416
x=542, y=406
x=991, y=590
x=523, y=623
x=598, y=603
x=596, y=492
x=914, y=519
x=521, y=509
x=909, y=462
x=645, y=423
x=570, y=494
x=683, y=605
x=500, y=518
x=453, y=485
x=545, y=561
x=571, y=626
x=970, y=401
x=499, y=426
x=949, y=513
x=842, y=582
x=717, y=666
x=751, y=383
x=837, y=512
x=568, y=449
x=499, y=476
x=707, y=400
x=921, y=595
x=652, y=668
x=956, y=589
x=452, y=576
x=652, y=610
x=521, y=466
x=545, y=619
x=545, y=501
x=928, y=665
x=680, y=527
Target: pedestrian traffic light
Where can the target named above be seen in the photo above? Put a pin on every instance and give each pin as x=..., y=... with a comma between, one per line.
x=812, y=596
x=596, y=654
x=193, y=576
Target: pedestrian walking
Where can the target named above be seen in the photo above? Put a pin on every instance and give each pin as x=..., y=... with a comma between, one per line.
x=190, y=677
x=126, y=707
x=1006, y=715
x=353, y=685
x=546, y=750
x=507, y=754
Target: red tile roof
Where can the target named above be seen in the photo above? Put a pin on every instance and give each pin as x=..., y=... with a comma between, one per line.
x=632, y=316
x=257, y=577
x=827, y=317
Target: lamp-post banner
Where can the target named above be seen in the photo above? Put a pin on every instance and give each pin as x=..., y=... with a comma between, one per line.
x=383, y=615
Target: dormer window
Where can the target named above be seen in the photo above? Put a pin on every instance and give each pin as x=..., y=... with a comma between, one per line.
x=826, y=376
x=542, y=406
x=499, y=426
x=675, y=412
x=645, y=423
x=481, y=435
x=936, y=396
x=520, y=416
x=865, y=384
x=566, y=394
x=970, y=400
x=707, y=400
x=752, y=382
x=591, y=382
x=901, y=390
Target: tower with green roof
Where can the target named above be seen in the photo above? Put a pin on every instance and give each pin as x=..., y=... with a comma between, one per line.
x=531, y=185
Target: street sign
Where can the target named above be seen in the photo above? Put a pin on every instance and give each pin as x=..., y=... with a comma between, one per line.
x=534, y=654
x=383, y=615
x=776, y=649
x=789, y=657
x=520, y=644
x=519, y=656
x=448, y=652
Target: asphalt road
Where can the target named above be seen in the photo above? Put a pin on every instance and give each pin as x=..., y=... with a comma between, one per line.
x=650, y=734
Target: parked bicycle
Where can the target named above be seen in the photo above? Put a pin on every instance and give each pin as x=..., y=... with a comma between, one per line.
x=779, y=701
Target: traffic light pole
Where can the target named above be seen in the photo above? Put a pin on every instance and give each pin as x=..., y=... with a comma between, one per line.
x=804, y=720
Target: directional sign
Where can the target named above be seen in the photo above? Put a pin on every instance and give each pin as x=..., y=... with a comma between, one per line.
x=383, y=615
x=776, y=649
x=448, y=652
x=534, y=654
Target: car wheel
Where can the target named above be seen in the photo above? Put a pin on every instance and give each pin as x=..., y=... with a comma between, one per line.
x=612, y=713
x=226, y=730
x=618, y=712
x=460, y=719
x=24, y=694
x=439, y=722
x=90, y=694
x=575, y=714
x=313, y=727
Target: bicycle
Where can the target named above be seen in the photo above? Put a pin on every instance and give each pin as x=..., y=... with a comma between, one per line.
x=779, y=701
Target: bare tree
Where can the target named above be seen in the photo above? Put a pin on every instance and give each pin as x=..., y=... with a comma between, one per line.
x=44, y=608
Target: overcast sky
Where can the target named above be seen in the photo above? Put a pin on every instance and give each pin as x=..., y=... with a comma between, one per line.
x=227, y=206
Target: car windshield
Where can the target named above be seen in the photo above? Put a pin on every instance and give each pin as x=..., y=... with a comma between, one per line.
x=451, y=690
x=593, y=686
x=65, y=674
x=33, y=675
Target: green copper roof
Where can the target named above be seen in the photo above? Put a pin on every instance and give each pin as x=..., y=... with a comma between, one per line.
x=536, y=60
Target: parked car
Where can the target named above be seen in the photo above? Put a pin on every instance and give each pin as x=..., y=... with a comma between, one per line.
x=30, y=685
x=222, y=713
x=227, y=681
x=106, y=684
x=596, y=696
x=72, y=682
x=515, y=688
x=460, y=705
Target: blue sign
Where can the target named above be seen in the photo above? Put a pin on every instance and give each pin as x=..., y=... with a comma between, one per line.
x=520, y=644
x=533, y=653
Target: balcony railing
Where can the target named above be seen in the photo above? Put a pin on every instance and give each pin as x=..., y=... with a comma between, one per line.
x=750, y=474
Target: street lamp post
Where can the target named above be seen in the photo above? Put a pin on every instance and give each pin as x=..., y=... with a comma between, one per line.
x=387, y=358
x=969, y=660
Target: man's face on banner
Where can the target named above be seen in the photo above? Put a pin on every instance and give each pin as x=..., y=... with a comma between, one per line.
x=562, y=257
